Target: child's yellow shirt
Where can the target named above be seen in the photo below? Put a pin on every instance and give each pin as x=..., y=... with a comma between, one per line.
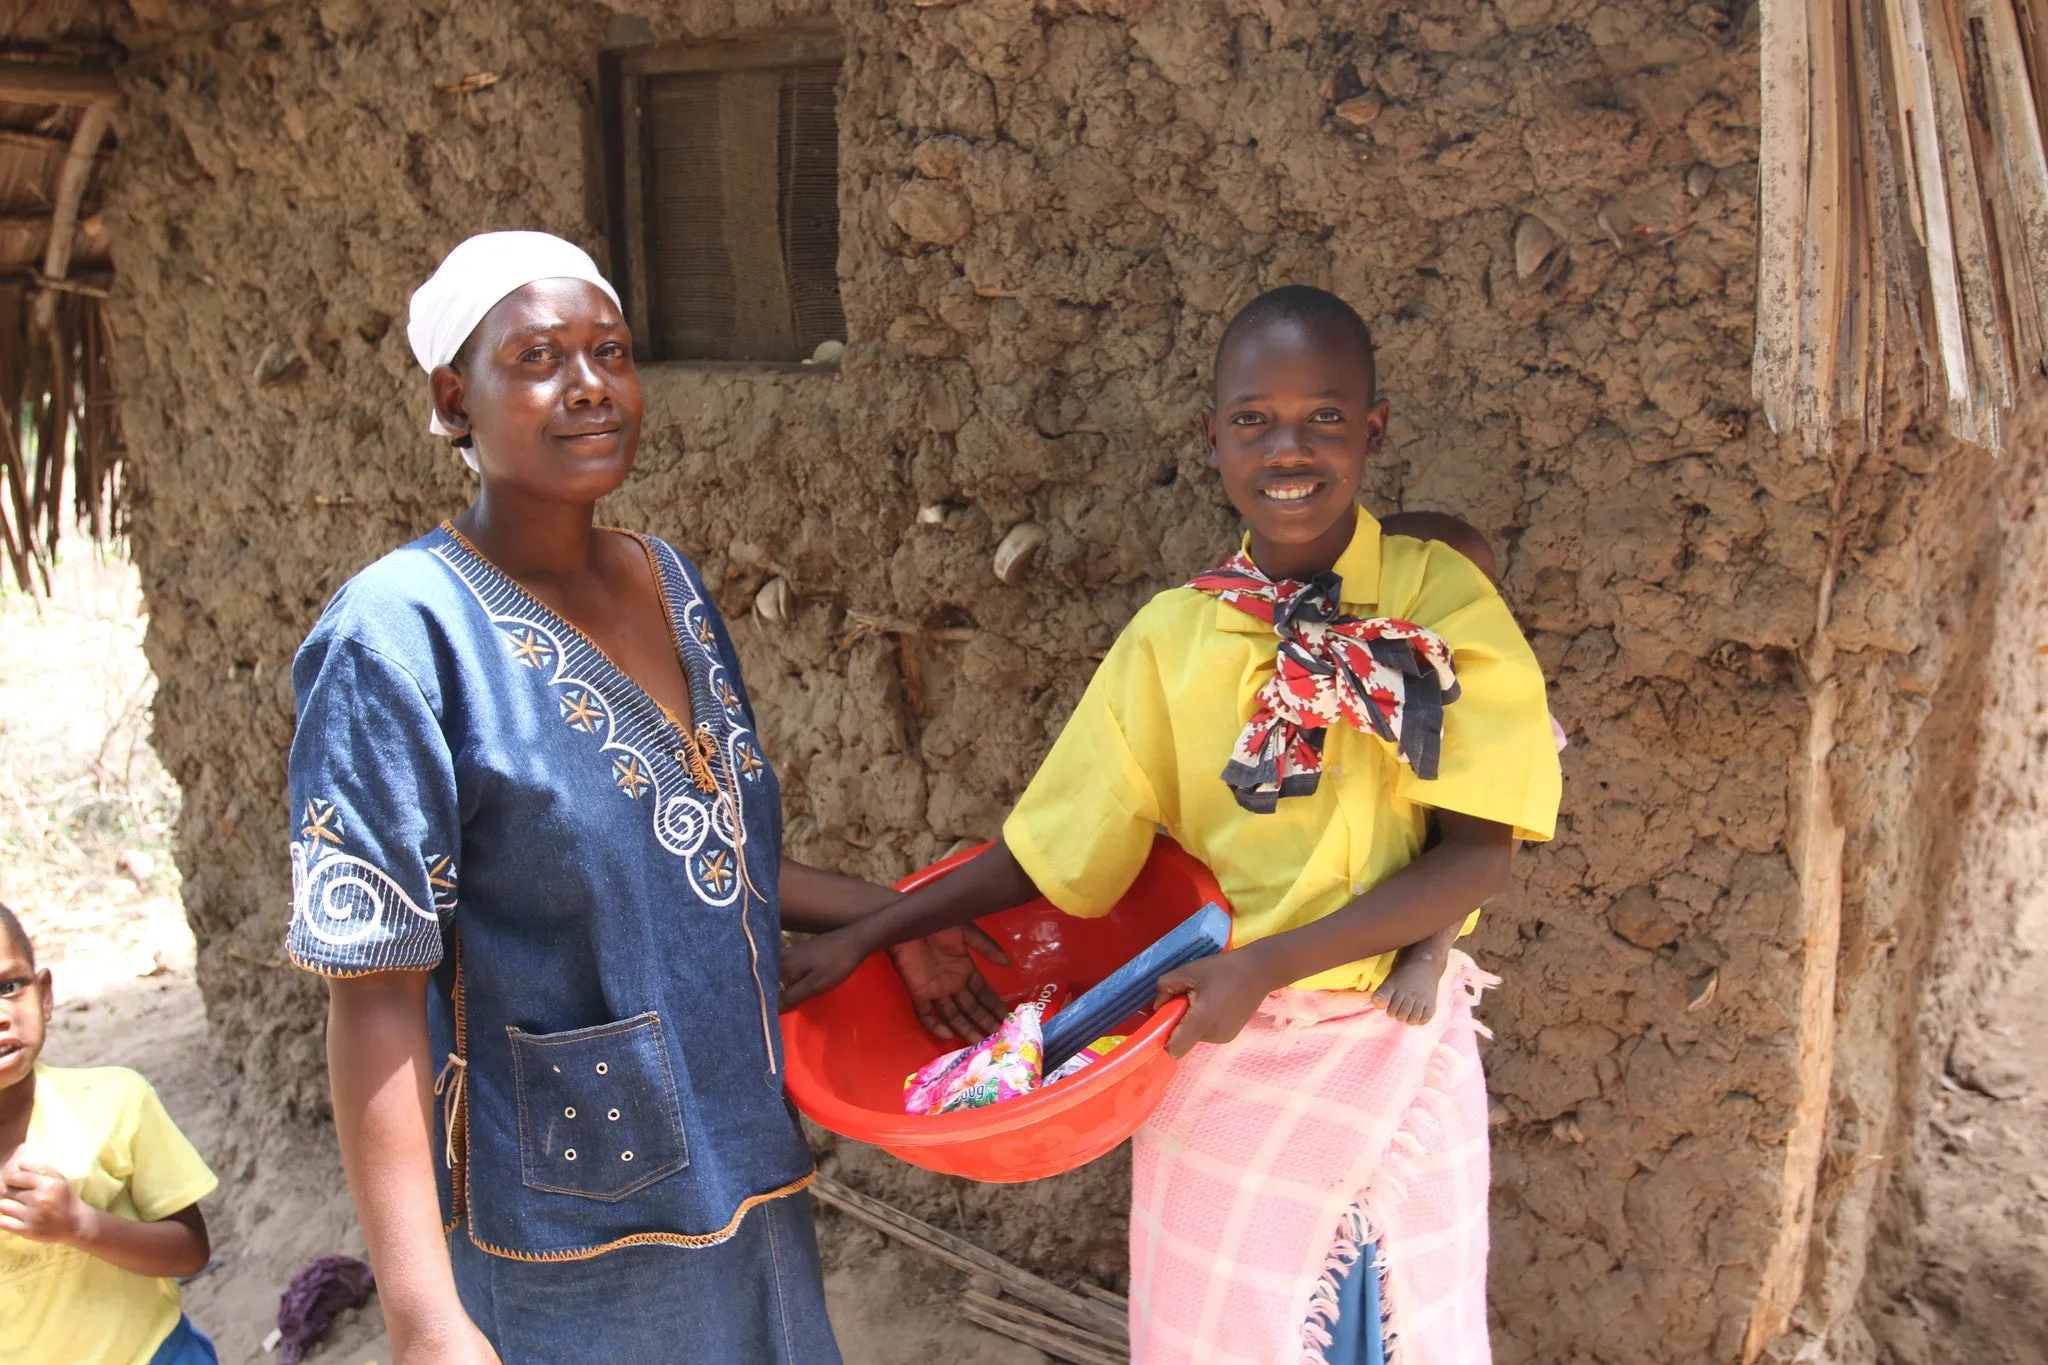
x=106, y=1131
x=1148, y=743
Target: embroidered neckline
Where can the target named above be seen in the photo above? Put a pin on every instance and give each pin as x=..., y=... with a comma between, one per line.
x=668, y=616
x=714, y=762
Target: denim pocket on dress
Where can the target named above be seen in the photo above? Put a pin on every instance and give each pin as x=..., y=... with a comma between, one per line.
x=598, y=1112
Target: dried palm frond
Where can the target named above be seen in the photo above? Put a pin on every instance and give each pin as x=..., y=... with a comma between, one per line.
x=1904, y=179
x=60, y=430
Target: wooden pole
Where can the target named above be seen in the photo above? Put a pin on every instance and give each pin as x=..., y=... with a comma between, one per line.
x=1991, y=387
x=1824, y=282
x=1018, y=1283
x=1917, y=107
x=72, y=179
x=31, y=83
x=1781, y=222
x=1042, y=1330
x=2015, y=125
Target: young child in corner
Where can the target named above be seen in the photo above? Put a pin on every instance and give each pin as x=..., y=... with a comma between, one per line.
x=1294, y=718
x=99, y=1213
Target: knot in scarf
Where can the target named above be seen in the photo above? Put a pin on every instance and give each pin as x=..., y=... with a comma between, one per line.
x=1376, y=674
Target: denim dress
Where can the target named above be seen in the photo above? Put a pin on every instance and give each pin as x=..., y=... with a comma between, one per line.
x=478, y=792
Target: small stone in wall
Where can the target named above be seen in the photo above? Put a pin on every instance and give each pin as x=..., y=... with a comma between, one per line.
x=1536, y=246
x=1018, y=548
x=941, y=158
x=775, y=603
x=1701, y=993
x=1644, y=920
x=929, y=212
x=1360, y=110
x=280, y=361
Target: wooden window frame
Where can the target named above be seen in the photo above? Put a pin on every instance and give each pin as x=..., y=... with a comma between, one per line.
x=623, y=74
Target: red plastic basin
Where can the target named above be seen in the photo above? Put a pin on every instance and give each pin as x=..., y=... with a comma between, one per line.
x=848, y=1050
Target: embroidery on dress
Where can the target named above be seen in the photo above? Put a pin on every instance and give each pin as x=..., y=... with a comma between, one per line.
x=583, y=711
x=644, y=758
x=344, y=901
x=631, y=775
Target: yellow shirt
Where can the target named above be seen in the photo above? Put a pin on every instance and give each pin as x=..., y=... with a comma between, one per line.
x=1147, y=746
x=105, y=1129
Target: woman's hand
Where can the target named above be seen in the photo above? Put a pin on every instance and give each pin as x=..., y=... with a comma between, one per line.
x=1223, y=993
x=815, y=965
x=458, y=1343
x=953, y=999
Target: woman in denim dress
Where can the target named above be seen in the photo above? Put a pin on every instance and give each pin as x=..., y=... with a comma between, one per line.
x=537, y=852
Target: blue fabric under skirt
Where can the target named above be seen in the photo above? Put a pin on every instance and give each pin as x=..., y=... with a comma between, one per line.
x=1358, y=1336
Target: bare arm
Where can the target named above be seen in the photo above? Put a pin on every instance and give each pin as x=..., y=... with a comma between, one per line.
x=381, y=1072
x=1469, y=868
x=983, y=885
x=41, y=1206
x=814, y=900
x=1435, y=891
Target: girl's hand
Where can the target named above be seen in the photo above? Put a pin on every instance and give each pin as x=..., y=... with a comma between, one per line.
x=815, y=965
x=40, y=1205
x=953, y=999
x=1223, y=992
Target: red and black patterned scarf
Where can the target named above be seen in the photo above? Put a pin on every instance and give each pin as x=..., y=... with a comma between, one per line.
x=1379, y=675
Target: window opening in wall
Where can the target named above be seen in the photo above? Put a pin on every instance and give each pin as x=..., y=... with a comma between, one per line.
x=724, y=189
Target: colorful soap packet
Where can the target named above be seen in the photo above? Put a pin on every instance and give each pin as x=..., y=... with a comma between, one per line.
x=1002, y=1066
x=1008, y=1063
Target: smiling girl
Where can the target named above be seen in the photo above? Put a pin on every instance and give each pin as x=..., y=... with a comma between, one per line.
x=1293, y=718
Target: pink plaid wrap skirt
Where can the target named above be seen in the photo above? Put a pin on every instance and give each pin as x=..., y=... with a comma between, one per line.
x=1324, y=1125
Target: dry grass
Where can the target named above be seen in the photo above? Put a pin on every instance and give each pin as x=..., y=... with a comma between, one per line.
x=86, y=811
x=61, y=448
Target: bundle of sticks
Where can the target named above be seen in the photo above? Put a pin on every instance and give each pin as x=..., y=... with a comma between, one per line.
x=1903, y=235
x=1088, y=1326
x=61, y=450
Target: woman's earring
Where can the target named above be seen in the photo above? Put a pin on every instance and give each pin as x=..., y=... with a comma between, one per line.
x=470, y=457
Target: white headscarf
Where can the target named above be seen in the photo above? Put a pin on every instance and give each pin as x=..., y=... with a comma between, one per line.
x=478, y=273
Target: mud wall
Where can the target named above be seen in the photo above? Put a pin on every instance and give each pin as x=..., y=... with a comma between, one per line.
x=1048, y=211
x=1953, y=708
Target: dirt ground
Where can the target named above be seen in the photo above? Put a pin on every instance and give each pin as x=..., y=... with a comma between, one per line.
x=81, y=796
x=1984, y=1292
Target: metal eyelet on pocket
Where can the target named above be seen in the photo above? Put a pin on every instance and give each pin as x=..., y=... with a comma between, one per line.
x=622, y=1070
